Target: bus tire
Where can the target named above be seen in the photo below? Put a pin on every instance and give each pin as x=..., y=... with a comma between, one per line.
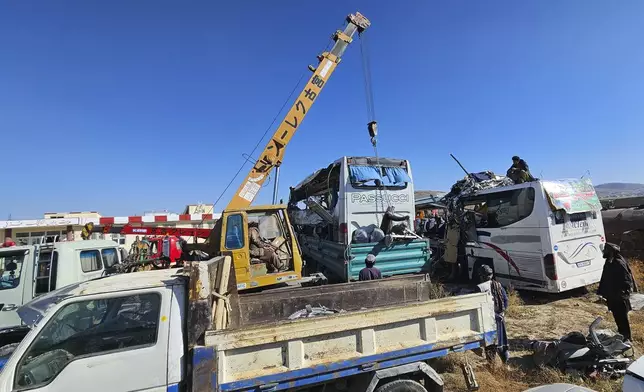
x=401, y=386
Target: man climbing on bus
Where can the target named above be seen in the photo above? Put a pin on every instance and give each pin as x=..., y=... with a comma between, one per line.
x=519, y=172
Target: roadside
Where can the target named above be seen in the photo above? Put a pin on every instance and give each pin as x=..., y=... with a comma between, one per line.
x=535, y=316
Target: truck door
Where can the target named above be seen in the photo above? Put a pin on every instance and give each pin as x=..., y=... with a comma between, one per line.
x=108, y=342
x=235, y=244
x=14, y=284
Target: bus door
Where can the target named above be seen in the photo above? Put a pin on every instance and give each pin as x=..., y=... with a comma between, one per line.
x=479, y=245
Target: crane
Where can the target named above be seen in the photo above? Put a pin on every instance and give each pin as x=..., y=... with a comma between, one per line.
x=231, y=234
x=273, y=153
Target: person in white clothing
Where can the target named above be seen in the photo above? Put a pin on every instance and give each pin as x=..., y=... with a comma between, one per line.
x=500, y=306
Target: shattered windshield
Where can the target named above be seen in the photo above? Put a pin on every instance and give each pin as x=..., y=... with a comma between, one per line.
x=89, y=327
x=11, y=265
x=31, y=312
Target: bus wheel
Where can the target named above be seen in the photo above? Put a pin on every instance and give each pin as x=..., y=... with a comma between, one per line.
x=401, y=386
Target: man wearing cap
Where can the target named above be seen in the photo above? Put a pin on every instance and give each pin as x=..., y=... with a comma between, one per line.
x=370, y=272
x=616, y=286
x=500, y=305
x=519, y=171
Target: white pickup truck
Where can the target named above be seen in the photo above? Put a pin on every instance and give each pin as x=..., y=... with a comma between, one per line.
x=185, y=330
x=32, y=270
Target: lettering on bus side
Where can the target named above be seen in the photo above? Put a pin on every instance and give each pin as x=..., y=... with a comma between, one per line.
x=362, y=198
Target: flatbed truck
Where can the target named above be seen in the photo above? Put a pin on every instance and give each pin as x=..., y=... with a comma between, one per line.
x=188, y=330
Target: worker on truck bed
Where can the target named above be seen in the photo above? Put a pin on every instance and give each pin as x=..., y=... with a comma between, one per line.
x=262, y=251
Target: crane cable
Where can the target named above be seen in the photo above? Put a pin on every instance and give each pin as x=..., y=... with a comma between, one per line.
x=248, y=158
x=371, y=114
x=259, y=142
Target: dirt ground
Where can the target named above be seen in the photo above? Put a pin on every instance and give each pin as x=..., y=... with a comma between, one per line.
x=535, y=316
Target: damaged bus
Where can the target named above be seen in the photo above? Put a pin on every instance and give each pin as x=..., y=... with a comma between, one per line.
x=354, y=207
x=541, y=236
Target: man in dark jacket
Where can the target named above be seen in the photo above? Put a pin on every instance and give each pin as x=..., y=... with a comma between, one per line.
x=370, y=272
x=616, y=286
x=519, y=172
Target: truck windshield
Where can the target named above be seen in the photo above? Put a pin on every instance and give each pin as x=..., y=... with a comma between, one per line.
x=11, y=267
x=89, y=327
x=33, y=311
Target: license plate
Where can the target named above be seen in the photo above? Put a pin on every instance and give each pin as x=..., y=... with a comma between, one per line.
x=583, y=263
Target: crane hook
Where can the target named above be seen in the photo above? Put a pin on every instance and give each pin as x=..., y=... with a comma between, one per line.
x=373, y=131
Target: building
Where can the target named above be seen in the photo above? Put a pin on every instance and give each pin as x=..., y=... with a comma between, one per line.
x=68, y=225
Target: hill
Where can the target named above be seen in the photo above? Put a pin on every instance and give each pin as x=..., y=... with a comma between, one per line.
x=619, y=189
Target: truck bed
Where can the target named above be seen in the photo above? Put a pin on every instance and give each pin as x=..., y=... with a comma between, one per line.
x=346, y=261
x=302, y=352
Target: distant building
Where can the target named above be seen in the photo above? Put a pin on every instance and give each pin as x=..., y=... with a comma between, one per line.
x=68, y=225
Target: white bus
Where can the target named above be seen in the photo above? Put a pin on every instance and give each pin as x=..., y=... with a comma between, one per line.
x=336, y=212
x=542, y=236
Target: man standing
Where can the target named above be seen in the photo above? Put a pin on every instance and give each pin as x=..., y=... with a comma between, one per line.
x=370, y=272
x=500, y=306
x=616, y=286
x=519, y=171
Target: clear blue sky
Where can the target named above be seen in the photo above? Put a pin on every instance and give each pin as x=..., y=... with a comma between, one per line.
x=123, y=106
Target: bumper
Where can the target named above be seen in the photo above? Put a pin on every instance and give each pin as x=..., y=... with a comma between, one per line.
x=576, y=281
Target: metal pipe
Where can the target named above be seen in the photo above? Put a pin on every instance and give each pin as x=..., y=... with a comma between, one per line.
x=276, y=184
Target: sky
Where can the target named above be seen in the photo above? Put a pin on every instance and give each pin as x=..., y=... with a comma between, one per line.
x=123, y=107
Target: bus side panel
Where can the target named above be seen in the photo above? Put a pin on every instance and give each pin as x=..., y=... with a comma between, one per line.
x=526, y=245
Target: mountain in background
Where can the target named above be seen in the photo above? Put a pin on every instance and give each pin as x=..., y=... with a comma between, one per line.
x=619, y=189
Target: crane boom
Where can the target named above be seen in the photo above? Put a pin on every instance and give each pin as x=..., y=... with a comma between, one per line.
x=273, y=153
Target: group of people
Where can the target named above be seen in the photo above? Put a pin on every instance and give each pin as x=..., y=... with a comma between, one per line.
x=616, y=285
x=434, y=226
x=140, y=249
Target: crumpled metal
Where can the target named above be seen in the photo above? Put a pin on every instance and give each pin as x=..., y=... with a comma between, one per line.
x=310, y=311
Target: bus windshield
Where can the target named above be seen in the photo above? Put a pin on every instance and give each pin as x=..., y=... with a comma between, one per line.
x=376, y=176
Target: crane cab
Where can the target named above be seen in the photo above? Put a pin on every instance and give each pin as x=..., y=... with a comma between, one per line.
x=275, y=232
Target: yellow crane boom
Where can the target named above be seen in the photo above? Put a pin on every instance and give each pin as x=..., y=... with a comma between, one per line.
x=273, y=153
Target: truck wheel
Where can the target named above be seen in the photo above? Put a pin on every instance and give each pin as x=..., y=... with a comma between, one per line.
x=401, y=386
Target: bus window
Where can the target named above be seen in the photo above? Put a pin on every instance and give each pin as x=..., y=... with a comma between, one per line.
x=509, y=207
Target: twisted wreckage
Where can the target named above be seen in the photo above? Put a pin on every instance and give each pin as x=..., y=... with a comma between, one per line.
x=539, y=235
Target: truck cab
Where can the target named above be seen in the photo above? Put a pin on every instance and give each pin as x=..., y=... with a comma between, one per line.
x=275, y=229
x=32, y=270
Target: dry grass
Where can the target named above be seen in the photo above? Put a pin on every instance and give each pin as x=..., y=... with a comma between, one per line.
x=515, y=303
